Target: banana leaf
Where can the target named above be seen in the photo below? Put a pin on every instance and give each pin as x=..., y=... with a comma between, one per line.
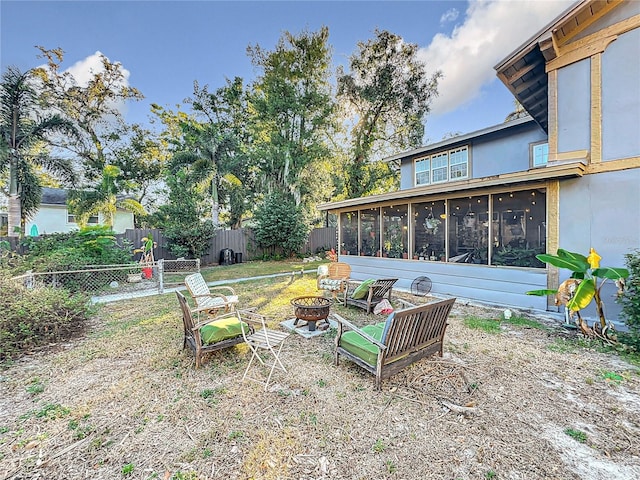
x=541, y=293
x=612, y=273
x=583, y=296
x=575, y=265
x=562, y=253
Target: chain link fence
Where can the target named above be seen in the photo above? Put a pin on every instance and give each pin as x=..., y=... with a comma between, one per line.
x=114, y=279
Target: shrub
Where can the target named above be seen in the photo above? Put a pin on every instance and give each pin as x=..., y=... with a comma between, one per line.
x=280, y=225
x=69, y=251
x=33, y=318
x=630, y=299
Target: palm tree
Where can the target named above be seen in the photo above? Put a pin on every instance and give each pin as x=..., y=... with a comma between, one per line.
x=102, y=200
x=204, y=159
x=23, y=128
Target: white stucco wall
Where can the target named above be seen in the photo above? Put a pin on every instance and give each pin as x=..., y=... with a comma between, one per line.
x=53, y=219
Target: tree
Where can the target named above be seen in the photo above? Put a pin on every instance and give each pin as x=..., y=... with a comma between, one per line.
x=202, y=157
x=181, y=218
x=24, y=130
x=293, y=112
x=102, y=199
x=227, y=109
x=94, y=108
x=280, y=225
x=386, y=96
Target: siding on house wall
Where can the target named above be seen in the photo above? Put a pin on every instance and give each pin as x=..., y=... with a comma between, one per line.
x=574, y=107
x=492, y=285
x=621, y=97
x=500, y=154
x=601, y=211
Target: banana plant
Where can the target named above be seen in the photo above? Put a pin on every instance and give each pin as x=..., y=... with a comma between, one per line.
x=585, y=276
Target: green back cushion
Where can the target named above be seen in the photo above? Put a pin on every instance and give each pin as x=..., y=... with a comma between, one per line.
x=362, y=290
x=220, y=330
x=361, y=348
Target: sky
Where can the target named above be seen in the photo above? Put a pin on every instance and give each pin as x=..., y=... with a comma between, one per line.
x=164, y=46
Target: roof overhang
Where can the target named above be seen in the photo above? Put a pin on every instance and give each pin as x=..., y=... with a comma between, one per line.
x=524, y=70
x=557, y=171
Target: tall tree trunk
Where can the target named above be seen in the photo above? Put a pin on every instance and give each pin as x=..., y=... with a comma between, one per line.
x=15, y=210
x=215, y=205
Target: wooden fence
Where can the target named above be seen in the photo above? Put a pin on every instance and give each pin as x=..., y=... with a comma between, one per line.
x=241, y=241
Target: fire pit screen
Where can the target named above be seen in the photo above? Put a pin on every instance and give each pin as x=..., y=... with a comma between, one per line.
x=311, y=310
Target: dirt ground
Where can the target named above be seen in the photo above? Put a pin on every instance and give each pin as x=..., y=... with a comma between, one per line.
x=124, y=401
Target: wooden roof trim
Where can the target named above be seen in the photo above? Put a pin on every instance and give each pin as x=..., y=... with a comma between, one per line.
x=582, y=18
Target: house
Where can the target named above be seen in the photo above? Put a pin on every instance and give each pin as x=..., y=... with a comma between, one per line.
x=53, y=216
x=474, y=210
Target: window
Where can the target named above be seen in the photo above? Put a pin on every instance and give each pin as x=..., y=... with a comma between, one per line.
x=349, y=233
x=469, y=230
x=429, y=230
x=519, y=228
x=458, y=163
x=423, y=171
x=93, y=219
x=369, y=231
x=539, y=154
x=395, y=231
x=443, y=166
x=440, y=167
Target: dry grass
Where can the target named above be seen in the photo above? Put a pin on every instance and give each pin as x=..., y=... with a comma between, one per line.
x=124, y=401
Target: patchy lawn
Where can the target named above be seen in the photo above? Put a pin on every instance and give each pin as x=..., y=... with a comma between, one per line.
x=520, y=400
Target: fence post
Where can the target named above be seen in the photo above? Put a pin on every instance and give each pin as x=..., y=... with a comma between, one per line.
x=198, y=265
x=161, y=275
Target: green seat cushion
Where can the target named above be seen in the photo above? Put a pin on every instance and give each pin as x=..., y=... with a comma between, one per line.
x=220, y=330
x=362, y=290
x=360, y=347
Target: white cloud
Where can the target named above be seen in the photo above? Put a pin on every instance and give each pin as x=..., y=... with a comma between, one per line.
x=491, y=30
x=83, y=70
x=450, y=15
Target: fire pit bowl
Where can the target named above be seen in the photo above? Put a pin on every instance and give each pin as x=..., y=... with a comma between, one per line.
x=311, y=310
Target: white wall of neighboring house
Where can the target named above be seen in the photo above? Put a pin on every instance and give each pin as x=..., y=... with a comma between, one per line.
x=54, y=219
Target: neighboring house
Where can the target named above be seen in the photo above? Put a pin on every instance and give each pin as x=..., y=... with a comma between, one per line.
x=53, y=216
x=474, y=210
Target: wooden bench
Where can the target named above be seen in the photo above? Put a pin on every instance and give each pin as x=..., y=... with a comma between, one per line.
x=404, y=338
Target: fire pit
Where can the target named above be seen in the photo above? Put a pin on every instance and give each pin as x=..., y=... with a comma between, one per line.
x=311, y=310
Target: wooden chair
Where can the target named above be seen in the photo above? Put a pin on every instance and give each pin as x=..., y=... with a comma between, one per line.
x=211, y=335
x=376, y=292
x=209, y=301
x=404, y=338
x=337, y=273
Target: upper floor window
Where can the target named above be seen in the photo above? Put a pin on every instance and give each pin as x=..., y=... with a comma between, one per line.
x=539, y=154
x=443, y=166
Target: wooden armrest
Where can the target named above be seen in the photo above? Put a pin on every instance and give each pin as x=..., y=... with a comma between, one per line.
x=355, y=329
x=224, y=287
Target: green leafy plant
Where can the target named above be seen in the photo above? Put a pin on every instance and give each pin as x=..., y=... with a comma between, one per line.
x=630, y=298
x=577, y=435
x=612, y=377
x=379, y=446
x=583, y=286
x=127, y=469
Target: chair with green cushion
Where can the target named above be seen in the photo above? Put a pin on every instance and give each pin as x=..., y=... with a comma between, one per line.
x=386, y=348
x=369, y=293
x=211, y=335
